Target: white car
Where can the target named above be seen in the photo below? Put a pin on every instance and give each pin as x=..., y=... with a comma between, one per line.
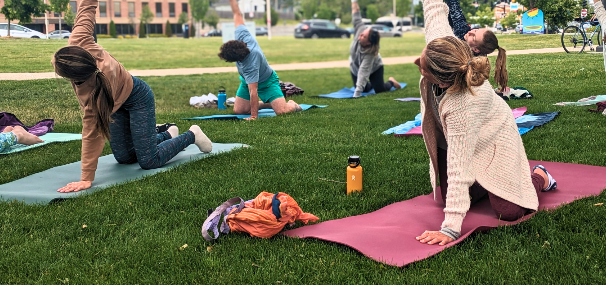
x=59, y=34
x=19, y=31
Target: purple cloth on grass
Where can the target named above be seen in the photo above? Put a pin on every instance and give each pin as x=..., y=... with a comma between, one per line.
x=40, y=128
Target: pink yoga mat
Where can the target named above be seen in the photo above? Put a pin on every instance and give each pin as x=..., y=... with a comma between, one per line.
x=388, y=234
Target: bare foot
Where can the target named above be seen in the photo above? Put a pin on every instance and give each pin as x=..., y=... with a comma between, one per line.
x=540, y=171
x=23, y=137
x=7, y=129
x=396, y=84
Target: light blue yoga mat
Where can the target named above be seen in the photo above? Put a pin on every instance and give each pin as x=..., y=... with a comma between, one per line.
x=42, y=187
x=47, y=138
x=347, y=93
x=262, y=113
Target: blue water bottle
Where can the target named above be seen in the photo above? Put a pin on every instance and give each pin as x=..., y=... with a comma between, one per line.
x=222, y=98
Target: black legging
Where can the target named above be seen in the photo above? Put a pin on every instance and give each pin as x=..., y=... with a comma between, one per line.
x=376, y=82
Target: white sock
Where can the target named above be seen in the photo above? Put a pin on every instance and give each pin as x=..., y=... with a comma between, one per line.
x=201, y=140
x=173, y=131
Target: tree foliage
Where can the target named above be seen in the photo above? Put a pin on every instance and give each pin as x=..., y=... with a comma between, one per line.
x=420, y=18
x=212, y=18
x=70, y=16
x=372, y=13
x=275, y=17
x=22, y=10
x=483, y=17
x=324, y=12
x=146, y=15
x=168, y=30
x=112, y=29
x=510, y=20
x=199, y=9
x=403, y=8
x=183, y=18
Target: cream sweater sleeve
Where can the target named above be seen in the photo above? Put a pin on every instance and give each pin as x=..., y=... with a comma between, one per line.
x=600, y=13
x=461, y=134
x=436, y=20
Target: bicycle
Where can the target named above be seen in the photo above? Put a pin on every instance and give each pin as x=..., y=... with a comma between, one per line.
x=574, y=39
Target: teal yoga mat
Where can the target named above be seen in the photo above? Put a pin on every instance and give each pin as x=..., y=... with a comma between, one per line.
x=42, y=187
x=48, y=138
x=262, y=113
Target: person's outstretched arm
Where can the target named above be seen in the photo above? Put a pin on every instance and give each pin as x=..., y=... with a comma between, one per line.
x=356, y=17
x=254, y=100
x=238, y=19
x=436, y=20
x=84, y=28
x=456, y=19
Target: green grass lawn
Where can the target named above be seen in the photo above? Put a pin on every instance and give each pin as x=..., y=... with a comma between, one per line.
x=30, y=55
x=134, y=231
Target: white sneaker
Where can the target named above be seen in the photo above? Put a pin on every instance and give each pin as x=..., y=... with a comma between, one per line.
x=201, y=140
x=173, y=131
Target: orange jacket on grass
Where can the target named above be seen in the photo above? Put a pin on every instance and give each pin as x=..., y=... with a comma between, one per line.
x=258, y=219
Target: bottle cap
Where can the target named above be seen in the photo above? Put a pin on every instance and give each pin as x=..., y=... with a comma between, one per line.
x=221, y=89
x=353, y=161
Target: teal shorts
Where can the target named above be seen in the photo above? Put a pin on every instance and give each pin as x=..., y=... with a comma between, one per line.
x=267, y=90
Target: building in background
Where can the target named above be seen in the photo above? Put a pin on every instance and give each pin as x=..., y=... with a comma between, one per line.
x=125, y=14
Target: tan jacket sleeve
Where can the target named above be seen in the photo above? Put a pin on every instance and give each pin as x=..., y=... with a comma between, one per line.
x=92, y=146
x=84, y=27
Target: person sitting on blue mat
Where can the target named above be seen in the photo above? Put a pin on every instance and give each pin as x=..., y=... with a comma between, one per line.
x=115, y=103
x=11, y=136
x=257, y=79
x=364, y=59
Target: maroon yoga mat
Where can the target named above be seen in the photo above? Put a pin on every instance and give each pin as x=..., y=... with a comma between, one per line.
x=388, y=234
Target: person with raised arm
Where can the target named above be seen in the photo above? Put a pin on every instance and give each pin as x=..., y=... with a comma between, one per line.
x=117, y=106
x=481, y=41
x=470, y=134
x=258, y=81
x=365, y=63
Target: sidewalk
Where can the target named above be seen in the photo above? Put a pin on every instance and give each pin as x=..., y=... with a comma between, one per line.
x=277, y=67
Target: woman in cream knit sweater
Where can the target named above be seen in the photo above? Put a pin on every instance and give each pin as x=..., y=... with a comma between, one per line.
x=470, y=134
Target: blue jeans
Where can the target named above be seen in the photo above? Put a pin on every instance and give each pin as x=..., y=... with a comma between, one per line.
x=133, y=136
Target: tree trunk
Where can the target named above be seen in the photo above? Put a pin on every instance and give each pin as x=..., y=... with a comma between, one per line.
x=530, y=4
x=9, y=28
x=198, y=29
x=60, y=17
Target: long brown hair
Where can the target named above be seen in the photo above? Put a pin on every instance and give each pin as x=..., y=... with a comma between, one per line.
x=451, y=61
x=373, y=38
x=78, y=65
x=490, y=44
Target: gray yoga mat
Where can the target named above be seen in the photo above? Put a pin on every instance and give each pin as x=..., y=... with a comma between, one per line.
x=47, y=138
x=42, y=187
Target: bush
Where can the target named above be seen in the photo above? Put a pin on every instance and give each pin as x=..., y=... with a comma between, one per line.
x=192, y=30
x=169, y=29
x=372, y=13
x=112, y=29
x=142, y=32
x=120, y=37
x=156, y=35
x=324, y=12
x=346, y=19
x=275, y=17
x=102, y=36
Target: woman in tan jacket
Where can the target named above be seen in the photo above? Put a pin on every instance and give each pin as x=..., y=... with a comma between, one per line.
x=470, y=134
x=117, y=106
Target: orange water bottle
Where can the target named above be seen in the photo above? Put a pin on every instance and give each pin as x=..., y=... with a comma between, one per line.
x=354, y=174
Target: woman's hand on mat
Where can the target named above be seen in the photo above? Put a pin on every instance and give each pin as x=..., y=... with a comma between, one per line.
x=433, y=237
x=76, y=186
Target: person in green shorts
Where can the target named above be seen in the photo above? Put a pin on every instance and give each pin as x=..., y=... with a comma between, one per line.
x=258, y=81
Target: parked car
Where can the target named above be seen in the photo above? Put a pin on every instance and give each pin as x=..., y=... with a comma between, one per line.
x=59, y=34
x=518, y=29
x=475, y=26
x=386, y=31
x=319, y=29
x=397, y=23
x=351, y=30
x=19, y=31
x=213, y=33
x=261, y=31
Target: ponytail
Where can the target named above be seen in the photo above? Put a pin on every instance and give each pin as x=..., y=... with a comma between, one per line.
x=500, y=72
x=102, y=103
